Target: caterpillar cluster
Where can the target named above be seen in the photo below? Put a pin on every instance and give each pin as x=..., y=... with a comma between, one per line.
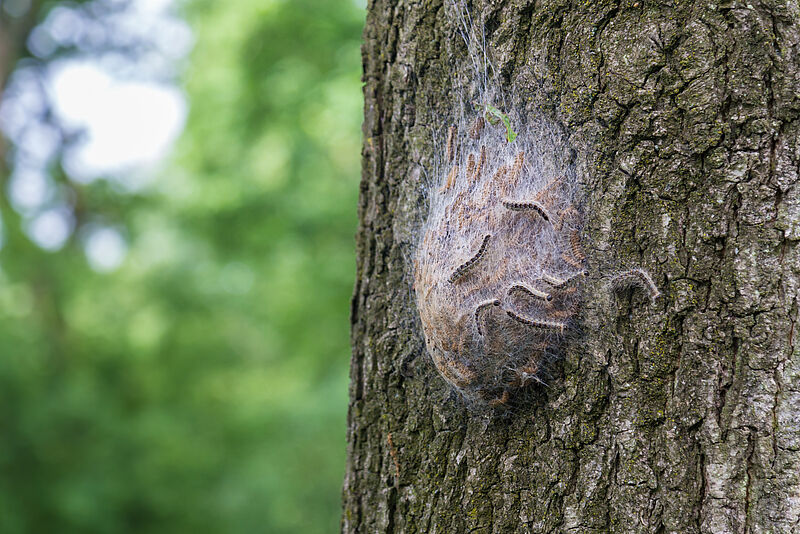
x=499, y=268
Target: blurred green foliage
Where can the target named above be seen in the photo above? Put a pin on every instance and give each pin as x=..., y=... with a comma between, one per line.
x=201, y=387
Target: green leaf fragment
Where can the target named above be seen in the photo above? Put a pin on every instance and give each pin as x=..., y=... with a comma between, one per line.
x=494, y=115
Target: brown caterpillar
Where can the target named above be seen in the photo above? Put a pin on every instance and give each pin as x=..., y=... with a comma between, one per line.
x=470, y=165
x=451, y=137
x=548, y=325
x=481, y=308
x=481, y=162
x=451, y=179
x=477, y=128
x=575, y=243
x=535, y=293
x=500, y=173
x=571, y=261
x=464, y=267
x=499, y=401
x=639, y=277
x=393, y=454
x=561, y=283
x=518, y=162
x=527, y=206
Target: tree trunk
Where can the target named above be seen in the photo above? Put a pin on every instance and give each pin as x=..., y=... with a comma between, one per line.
x=683, y=416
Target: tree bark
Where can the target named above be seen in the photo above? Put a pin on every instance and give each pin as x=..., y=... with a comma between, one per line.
x=682, y=416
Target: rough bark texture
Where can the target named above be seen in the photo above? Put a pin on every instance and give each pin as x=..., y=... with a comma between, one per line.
x=680, y=417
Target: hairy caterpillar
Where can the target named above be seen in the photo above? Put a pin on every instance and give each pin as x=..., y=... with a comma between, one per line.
x=451, y=138
x=546, y=325
x=535, y=293
x=492, y=322
x=637, y=278
x=527, y=206
x=482, y=307
x=481, y=162
x=565, y=282
x=575, y=244
x=464, y=267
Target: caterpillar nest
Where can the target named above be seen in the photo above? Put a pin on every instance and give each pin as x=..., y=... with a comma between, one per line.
x=499, y=267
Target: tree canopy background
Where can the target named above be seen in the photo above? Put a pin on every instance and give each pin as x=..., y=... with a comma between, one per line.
x=202, y=385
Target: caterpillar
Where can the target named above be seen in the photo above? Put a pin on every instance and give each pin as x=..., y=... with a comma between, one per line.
x=568, y=259
x=499, y=401
x=547, y=325
x=464, y=267
x=563, y=282
x=470, y=165
x=638, y=277
x=451, y=138
x=451, y=179
x=477, y=128
x=535, y=293
x=480, y=309
x=481, y=162
x=518, y=162
x=575, y=244
x=527, y=206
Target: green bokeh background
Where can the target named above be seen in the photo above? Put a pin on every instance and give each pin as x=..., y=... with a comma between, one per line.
x=202, y=386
